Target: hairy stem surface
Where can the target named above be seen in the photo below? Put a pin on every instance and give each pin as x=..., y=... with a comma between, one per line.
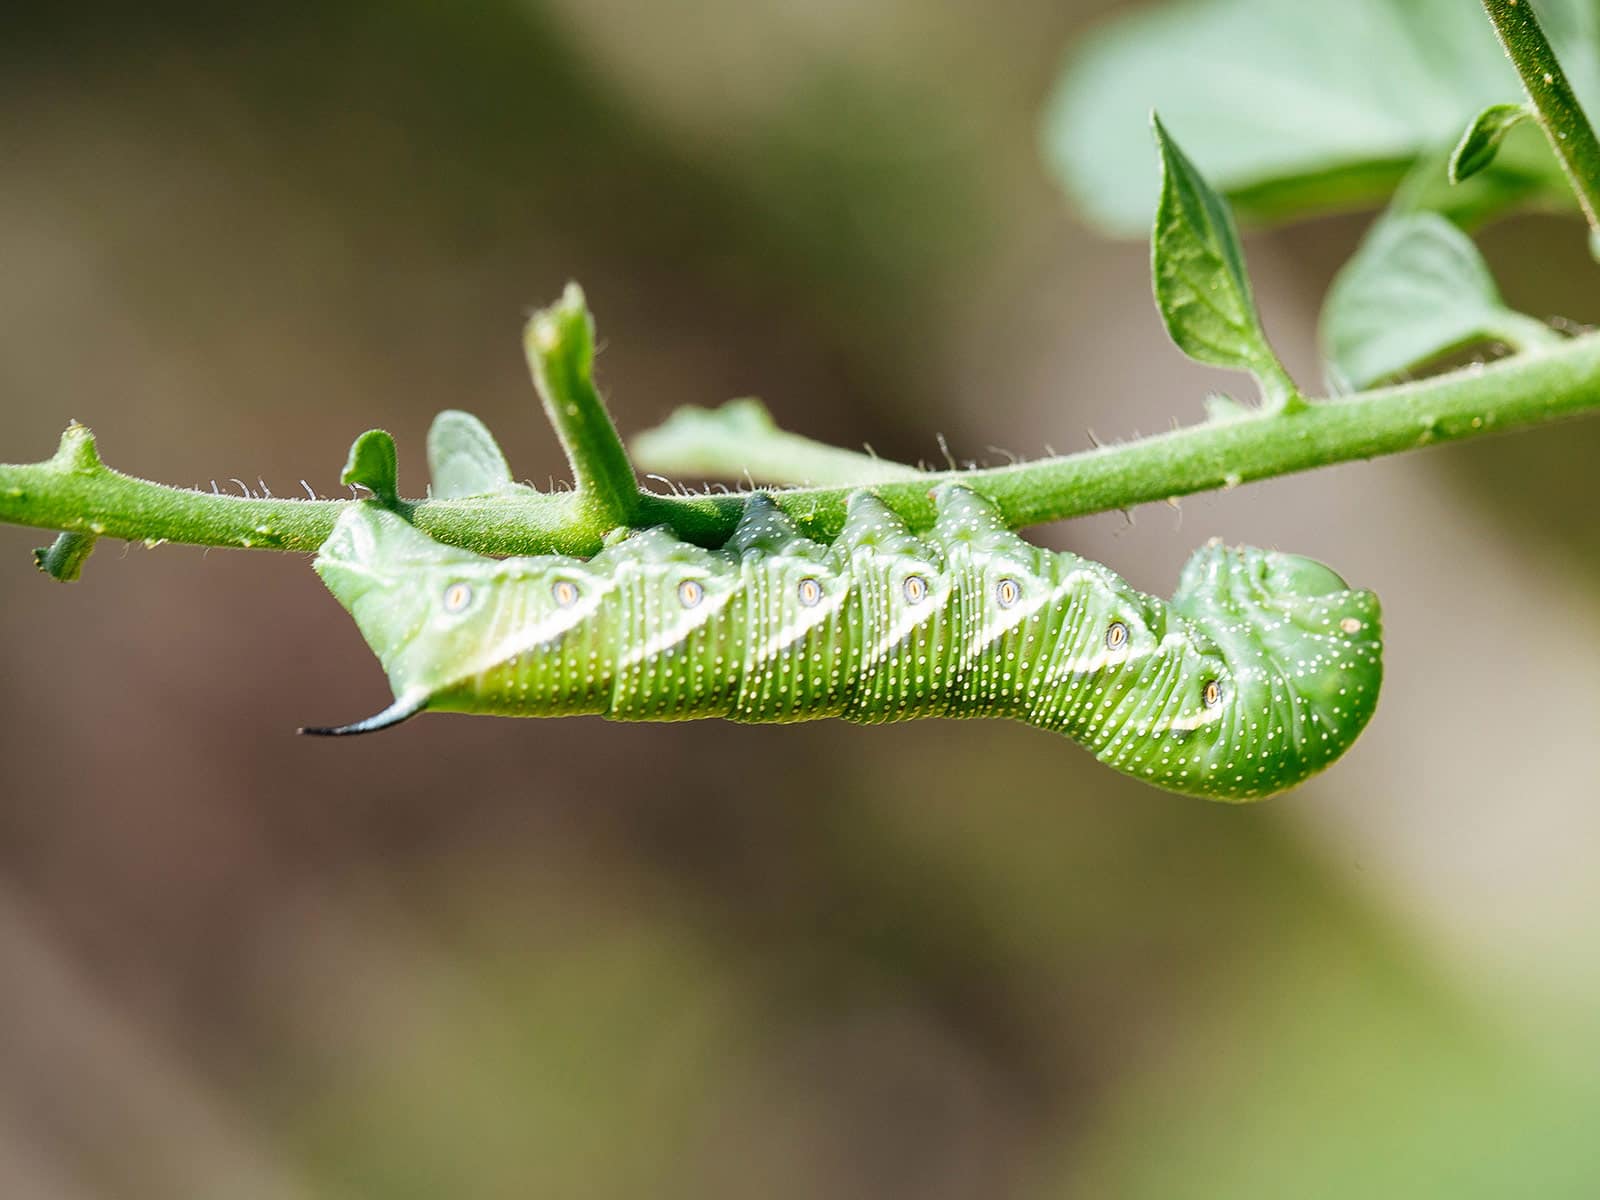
x=75, y=492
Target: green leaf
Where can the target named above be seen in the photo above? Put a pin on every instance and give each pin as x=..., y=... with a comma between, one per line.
x=1293, y=108
x=373, y=465
x=741, y=441
x=464, y=459
x=1416, y=290
x=1200, y=282
x=1481, y=142
x=63, y=558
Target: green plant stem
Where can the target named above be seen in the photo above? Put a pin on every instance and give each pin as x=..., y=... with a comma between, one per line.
x=1555, y=105
x=1517, y=393
x=74, y=491
x=559, y=343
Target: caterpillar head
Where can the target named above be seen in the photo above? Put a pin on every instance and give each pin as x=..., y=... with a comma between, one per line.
x=1304, y=662
x=427, y=610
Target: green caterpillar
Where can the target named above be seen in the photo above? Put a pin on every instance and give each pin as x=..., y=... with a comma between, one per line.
x=1261, y=671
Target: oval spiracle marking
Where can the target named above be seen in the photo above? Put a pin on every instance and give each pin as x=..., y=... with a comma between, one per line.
x=1116, y=635
x=565, y=592
x=456, y=597
x=809, y=591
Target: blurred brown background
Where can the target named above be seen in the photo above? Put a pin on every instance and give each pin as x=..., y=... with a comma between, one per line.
x=494, y=958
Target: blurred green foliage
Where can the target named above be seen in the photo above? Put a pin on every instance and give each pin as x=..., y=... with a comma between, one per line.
x=1290, y=115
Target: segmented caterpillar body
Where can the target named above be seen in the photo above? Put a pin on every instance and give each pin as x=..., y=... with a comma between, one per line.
x=1262, y=669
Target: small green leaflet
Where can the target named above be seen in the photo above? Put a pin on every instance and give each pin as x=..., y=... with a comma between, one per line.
x=373, y=465
x=464, y=459
x=1200, y=282
x=1481, y=142
x=1416, y=290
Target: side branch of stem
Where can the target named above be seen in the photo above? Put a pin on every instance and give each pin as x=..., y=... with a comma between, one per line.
x=559, y=343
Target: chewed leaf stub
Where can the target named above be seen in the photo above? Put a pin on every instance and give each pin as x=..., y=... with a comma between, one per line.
x=63, y=558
